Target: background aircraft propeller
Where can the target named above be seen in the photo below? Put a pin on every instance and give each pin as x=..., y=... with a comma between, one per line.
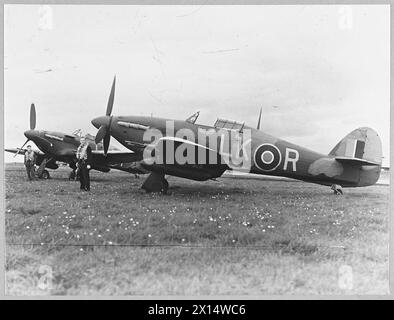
x=32, y=117
x=32, y=125
x=104, y=131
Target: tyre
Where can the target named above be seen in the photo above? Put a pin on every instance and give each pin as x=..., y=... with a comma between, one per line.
x=45, y=175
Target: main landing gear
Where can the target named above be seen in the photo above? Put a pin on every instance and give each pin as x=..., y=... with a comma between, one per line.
x=45, y=175
x=74, y=175
x=156, y=182
x=42, y=173
x=337, y=189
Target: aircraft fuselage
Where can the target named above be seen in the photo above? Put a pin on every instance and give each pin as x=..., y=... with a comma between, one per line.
x=269, y=155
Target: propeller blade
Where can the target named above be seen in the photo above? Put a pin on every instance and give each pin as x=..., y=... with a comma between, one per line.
x=21, y=148
x=32, y=117
x=111, y=99
x=106, y=143
x=258, y=124
x=101, y=133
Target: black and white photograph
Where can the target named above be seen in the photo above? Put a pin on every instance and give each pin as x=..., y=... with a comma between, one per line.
x=197, y=150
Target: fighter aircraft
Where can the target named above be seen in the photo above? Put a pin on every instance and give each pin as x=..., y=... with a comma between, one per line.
x=354, y=162
x=60, y=147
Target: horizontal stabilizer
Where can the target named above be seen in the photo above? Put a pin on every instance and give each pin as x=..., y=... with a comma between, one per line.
x=356, y=161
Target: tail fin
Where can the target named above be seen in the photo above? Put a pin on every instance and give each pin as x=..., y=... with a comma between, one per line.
x=361, y=149
x=361, y=144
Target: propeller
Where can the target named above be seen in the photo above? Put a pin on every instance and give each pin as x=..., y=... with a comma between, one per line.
x=19, y=149
x=100, y=134
x=32, y=117
x=110, y=103
x=32, y=125
x=258, y=123
x=104, y=131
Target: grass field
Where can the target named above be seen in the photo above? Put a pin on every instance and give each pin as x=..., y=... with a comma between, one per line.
x=230, y=237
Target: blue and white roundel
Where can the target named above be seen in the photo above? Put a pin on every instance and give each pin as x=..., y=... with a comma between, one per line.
x=267, y=157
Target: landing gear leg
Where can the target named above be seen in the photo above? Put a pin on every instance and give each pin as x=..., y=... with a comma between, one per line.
x=155, y=183
x=41, y=168
x=337, y=189
x=72, y=175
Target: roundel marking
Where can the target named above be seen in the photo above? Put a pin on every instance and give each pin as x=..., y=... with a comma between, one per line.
x=267, y=157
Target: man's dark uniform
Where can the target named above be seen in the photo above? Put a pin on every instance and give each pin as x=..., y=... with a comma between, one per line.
x=83, y=156
x=30, y=162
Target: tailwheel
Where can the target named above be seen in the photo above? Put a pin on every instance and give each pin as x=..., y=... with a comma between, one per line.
x=156, y=182
x=337, y=189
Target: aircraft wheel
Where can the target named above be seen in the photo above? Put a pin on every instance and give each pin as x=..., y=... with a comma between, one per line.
x=45, y=175
x=337, y=189
x=165, y=186
x=155, y=183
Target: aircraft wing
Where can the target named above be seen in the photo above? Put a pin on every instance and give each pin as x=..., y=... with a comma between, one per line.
x=210, y=167
x=16, y=150
x=40, y=156
x=115, y=157
x=22, y=151
x=179, y=141
x=356, y=161
x=208, y=152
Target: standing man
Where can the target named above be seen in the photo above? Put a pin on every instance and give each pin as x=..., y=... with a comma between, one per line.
x=30, y=162
x=84, y=152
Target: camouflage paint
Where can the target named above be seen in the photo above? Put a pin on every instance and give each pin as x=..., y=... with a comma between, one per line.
x=295, y=161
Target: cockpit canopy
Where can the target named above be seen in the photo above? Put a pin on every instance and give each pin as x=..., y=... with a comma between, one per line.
x=229, y=124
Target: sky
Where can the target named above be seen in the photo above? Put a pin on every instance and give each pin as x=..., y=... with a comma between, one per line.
x=318, y=71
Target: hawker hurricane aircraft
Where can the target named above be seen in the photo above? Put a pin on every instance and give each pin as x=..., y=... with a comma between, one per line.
x=170, y=147
x=60, y=147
